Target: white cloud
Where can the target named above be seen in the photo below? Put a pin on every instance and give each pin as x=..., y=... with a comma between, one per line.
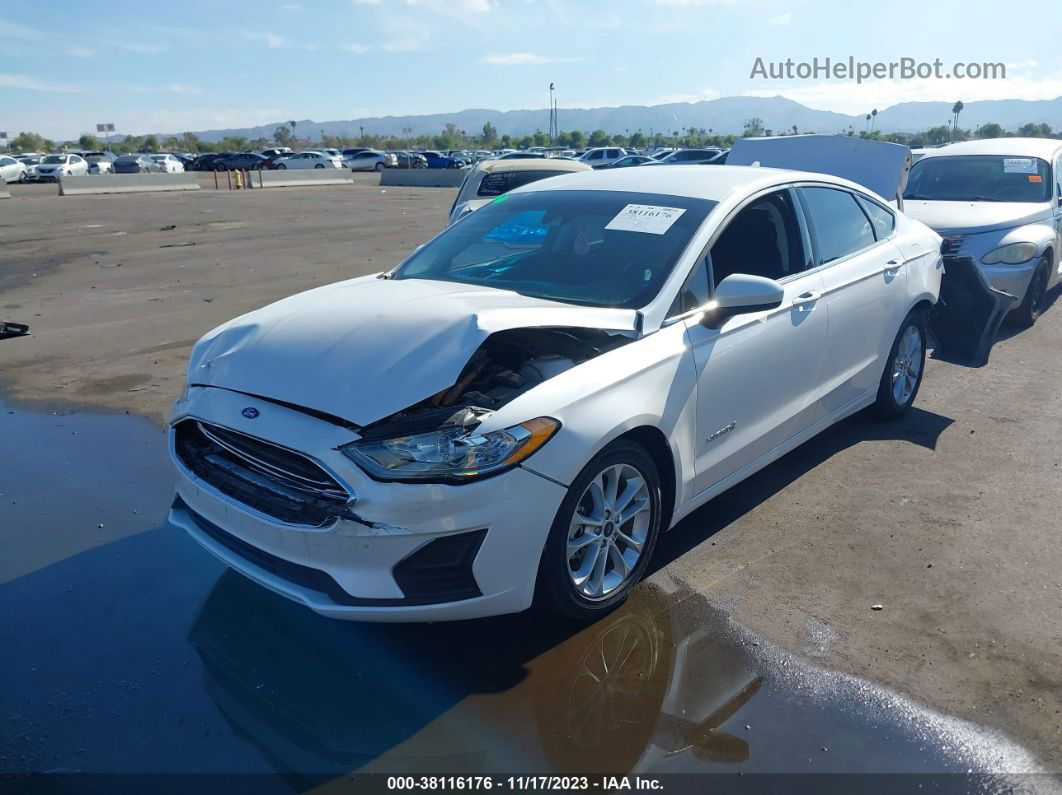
x=269, y=39
x=81, y=52
x=781, y=20
x=850, y=97
x=26, y=83
x=12, y=30
x=521, y=59
x=357, y=49
x=144, y=49
x=704, y=94
x=693, y=2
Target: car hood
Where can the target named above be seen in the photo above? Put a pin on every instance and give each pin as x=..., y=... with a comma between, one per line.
x=970, y=217
x=366, y=348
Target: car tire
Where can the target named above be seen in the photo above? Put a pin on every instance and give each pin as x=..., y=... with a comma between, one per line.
x=1026, y=314
x=319, y=165
x=281, y=167
x=904, y=368
x=591, y=589
x=379, y=166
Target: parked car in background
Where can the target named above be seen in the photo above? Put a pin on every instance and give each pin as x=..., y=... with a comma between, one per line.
x=545, y=387
x=687, y=157
x=996, y=201
x=660, y=154
x=99, y=162
x=602, y=156
x=311, y=159
x=439, y=160
x=12, y=170
x=52, y=167
x=409, y=160
x=370, y=160
x=136, y=164
x=242, y=161
x=168, y=164
x=521, y=156
x=205, y=162
x=353, y=150
x=492, y=178
x=276, y=151
x=629, y=160
x=330, y=151
x=30, y=162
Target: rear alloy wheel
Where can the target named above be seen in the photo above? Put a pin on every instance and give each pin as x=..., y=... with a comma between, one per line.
x=603, y=535
x=281, y=167
x=1026, y=315
x=379, y=166
x=319, y=165
x=904, y=368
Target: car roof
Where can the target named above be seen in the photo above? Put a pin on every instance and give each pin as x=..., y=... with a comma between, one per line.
x=694, y=181
x=1024, y=147
x=532, y=164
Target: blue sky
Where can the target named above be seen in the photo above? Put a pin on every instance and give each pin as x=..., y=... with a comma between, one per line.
x=64, y=65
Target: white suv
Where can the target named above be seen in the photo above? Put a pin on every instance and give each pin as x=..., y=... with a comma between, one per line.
x=603, y=156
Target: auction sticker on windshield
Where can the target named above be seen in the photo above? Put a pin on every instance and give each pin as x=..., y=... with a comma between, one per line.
x=1019, y=165
x=645, y=218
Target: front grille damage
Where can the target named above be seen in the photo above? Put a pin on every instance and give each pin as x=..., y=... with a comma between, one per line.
x=271, y=479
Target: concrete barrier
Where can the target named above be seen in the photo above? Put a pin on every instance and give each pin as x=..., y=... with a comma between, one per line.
x=4, y=192
x=126, y=183
x=300, y=178
x=423, y=177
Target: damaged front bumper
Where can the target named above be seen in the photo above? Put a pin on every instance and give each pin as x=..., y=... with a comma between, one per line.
x=364, y=550
x=967, y=317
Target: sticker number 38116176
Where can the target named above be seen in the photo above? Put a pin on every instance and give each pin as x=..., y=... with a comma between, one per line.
x=647, y=218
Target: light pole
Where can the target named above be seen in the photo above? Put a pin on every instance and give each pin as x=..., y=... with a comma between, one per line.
x=553, y=131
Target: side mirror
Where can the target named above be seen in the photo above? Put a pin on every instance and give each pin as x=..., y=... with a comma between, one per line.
x=739, y=294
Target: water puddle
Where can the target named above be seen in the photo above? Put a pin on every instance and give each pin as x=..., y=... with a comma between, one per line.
x=128, y=649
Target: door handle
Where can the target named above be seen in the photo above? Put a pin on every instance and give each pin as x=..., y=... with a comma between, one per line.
x=810, y=297
x=892, y=266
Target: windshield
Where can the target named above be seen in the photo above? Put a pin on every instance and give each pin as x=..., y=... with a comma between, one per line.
x=980, y=178
x=51, y=159
x=597, y=248
x=158, y=158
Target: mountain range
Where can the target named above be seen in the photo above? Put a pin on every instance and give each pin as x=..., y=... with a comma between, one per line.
x=726, y=115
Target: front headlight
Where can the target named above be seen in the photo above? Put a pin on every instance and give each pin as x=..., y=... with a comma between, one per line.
x=452, y=454
x=1011, y=255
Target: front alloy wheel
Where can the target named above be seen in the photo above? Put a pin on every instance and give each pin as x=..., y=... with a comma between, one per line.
x=608, y=531
x=603, y=535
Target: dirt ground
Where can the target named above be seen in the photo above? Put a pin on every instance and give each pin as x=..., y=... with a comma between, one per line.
x=949, y=518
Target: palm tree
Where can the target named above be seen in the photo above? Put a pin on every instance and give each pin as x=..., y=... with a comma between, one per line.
x=868, y=122
x=874, y=117
x=956, y=109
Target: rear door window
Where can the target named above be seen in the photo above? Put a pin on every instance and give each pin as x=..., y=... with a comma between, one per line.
x=840, y=227
x=883, y=220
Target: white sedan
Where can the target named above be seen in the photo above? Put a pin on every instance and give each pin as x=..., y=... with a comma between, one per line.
x=514, y=413
x=309, y=160
x=168, y=164
x=55, y=166
x=12, y=170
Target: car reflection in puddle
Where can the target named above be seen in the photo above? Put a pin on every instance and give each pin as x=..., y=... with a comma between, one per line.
x=667, y=683
x=145, y=655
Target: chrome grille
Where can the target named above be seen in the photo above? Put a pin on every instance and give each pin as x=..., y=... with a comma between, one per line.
x=267, y=477
x=952, y=245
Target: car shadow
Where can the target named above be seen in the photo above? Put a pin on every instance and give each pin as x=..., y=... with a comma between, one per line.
x=918, y=426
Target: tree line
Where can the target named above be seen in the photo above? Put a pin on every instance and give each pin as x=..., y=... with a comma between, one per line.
x=488, y=138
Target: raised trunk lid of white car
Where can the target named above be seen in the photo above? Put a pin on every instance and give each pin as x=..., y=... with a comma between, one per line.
x=366, y=348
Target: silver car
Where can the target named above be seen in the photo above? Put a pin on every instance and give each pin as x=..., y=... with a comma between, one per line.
x=996, y=202
x=369, y=160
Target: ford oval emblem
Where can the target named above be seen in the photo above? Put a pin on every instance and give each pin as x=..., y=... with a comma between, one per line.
x=250, y=412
